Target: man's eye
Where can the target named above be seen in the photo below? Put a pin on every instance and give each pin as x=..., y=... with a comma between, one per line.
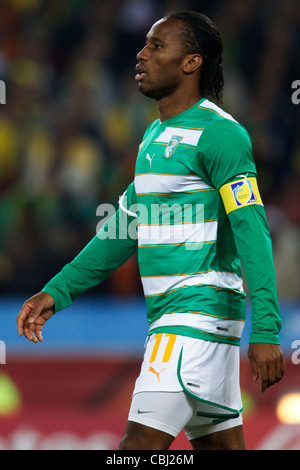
x=154, y=45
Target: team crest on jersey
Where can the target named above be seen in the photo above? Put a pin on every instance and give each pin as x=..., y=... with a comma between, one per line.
x=243, y=193
x=172, y=145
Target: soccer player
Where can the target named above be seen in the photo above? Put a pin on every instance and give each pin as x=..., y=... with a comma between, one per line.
x=195, y=216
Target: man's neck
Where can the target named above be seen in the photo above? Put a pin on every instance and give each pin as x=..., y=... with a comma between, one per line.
x=175, y=104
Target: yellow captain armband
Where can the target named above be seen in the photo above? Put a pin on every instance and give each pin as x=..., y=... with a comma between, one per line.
x=240, y=193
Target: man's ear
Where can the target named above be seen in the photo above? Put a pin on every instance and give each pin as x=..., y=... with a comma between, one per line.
x=192, y=63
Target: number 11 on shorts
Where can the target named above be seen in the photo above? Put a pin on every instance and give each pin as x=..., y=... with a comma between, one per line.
x=169, y=347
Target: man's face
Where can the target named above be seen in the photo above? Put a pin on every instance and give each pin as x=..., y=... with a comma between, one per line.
x=160, y=61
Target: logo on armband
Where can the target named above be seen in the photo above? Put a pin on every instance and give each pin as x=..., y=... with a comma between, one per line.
x=243, y=193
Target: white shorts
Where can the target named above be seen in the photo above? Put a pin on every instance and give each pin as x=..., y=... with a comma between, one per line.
x=187, y=383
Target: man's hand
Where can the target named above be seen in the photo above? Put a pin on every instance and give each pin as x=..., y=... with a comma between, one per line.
x=266, y=361
x=33, y=315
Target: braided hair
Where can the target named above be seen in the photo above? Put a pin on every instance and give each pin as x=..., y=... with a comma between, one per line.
x=200, y=35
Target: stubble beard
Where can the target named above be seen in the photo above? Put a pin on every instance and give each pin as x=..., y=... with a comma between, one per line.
x=156, y=93
x=159, y=90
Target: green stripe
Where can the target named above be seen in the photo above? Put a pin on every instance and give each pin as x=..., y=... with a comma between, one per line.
x=168, y=166
x=190, y=312
x=173, y=259
x=220, y=303
x=222, y=417
x=210, y=199
x=203, y=196
x=175, y=209
x=171, y=165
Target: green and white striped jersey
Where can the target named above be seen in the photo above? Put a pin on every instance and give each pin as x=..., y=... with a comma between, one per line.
x=193, y=212
x=188, y=261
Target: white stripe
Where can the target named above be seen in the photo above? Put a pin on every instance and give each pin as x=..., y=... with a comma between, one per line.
x=199, y=321
x=209, y=105
x=189, y=136
x=153, y=183
x=161, y=284
x=177, y=233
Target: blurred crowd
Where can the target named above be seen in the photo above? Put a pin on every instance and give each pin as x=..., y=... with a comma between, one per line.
x=73, y=120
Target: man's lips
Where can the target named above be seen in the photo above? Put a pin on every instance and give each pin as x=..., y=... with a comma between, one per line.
x=141, y=72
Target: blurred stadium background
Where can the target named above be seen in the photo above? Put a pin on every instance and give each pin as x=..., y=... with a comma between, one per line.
x=69, y=133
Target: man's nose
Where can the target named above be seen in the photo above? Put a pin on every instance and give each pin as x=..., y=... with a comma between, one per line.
x=143, y=55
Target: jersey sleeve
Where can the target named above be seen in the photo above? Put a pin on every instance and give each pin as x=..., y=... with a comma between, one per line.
x=254, y=246
x=227, y=161
x=108, y=250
